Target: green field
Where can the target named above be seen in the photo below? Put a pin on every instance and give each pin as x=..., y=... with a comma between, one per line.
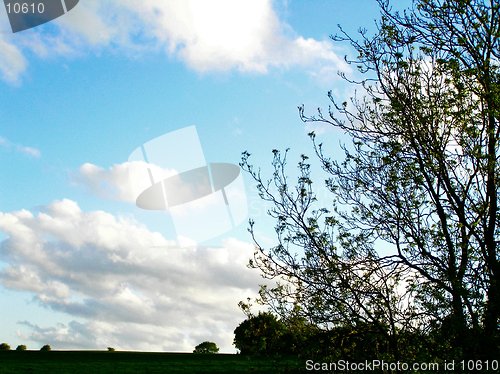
x=76, y=362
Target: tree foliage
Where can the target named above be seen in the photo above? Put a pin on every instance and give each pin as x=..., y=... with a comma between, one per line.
x=21, y=347
x=4, y=347
x=265, y=334
x=46, y=348
x=260, y=335
x=206, y=348
x=420, y=180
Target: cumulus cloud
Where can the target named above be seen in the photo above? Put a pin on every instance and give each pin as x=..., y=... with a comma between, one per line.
x=125, y=285
x=219, y=35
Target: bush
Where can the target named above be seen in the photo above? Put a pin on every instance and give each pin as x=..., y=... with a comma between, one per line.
x=206, y=347
x=4, y=347
x=111, y=349
x=46, y=348
x=21, y=347
x=260, y=335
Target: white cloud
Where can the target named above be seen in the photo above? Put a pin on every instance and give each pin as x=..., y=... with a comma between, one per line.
x=12, y=61
x=219, y=35
x=125, y=285
x=29, y=151
x=115, y=182
x=197, y=215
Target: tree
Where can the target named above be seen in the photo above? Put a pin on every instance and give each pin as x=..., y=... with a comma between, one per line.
x=301, y=337
x=420, y=178
x=21, y=347
x=206, y=348
x=4, y=347
x=260, y=335
x=46, y=348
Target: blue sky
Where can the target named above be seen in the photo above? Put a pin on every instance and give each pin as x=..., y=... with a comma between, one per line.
x=80, y=265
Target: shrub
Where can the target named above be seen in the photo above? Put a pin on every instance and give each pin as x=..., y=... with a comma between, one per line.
x=111, y=349
x=21, y=347
x=4, y=347
x=46, y=348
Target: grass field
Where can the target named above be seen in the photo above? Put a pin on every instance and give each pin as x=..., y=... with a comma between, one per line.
x=79, y=362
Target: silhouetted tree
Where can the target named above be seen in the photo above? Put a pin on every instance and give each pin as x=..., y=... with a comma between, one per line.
x=206, y=348
x=421, y=176
x=261, y=334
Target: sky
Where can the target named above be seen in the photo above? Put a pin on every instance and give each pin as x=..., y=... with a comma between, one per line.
x=96, y=104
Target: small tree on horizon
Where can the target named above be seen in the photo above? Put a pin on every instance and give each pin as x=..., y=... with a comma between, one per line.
x=46, y=348
x=206, y=348
x=21, y=347
x=4, y=347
